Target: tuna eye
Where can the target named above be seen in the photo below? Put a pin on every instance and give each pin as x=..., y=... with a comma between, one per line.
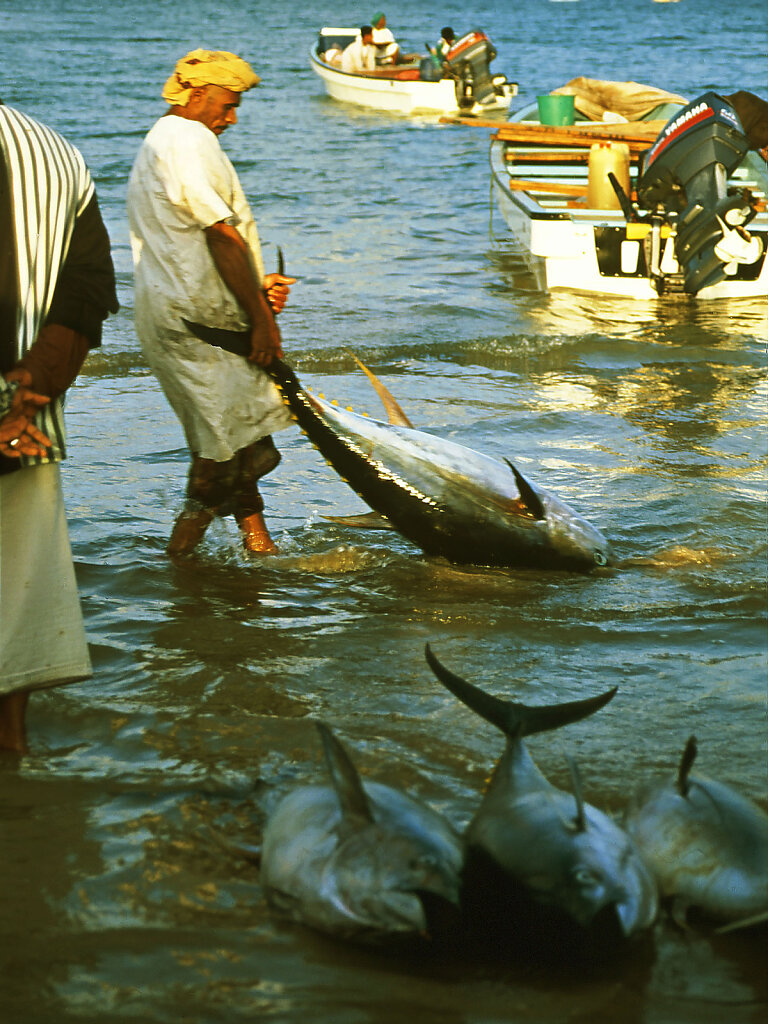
x=600, y=558
x=583, y=876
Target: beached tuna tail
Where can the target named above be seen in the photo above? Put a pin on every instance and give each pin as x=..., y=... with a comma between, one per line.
x=514, y=719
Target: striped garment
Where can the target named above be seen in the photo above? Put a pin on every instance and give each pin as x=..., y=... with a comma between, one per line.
x=44, y=187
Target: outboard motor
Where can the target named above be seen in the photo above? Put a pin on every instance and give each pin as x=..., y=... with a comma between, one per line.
x=469, y=59
x=685, y=173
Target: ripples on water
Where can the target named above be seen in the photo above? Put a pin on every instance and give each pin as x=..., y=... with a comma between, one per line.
x=650, y=420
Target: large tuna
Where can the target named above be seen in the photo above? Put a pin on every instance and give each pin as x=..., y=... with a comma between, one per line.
x=706, y=844
x=538, y=856
x=447, y=499
x=360, y=860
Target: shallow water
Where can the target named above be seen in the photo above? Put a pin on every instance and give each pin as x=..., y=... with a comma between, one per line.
x=650, y=421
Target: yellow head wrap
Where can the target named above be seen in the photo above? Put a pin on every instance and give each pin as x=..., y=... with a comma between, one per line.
x=208, y=67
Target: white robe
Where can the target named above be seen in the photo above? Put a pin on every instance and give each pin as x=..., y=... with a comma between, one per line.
x=42, y=639
x=181, y=183
x=358, y=56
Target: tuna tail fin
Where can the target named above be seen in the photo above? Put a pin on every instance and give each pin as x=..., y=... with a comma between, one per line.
x=514, y=719
x=529, y=500
x=355, y=808
x=686, y=763
x=395, y=414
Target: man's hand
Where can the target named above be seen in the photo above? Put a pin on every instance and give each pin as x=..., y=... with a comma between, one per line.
x=277, y=288
x=18, y=433
x=265, y=346
x=233, y=262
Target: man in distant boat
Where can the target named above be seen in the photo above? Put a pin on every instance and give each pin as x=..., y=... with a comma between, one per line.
x=57, y=285
x=360, y=55
x=197, y=257
x=446, y=41
x=387, y=50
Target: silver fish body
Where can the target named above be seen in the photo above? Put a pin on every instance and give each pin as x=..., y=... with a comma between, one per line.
x=706, y=844
x=540, y=842
x=360, y=861
x=446, y=498
x=585, y=868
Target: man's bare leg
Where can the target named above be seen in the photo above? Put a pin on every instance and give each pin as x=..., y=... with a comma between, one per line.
x=188, y=531
x=256, y=535
x=13, y=733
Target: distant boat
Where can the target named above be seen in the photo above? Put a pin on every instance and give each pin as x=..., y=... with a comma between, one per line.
x=465, y=84
x=689, y=217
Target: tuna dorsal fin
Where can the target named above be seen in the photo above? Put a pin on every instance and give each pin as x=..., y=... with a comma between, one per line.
x=530, y=502
x=580, y=821
x=395, y=414
x=346, y=780
x=514, y=719
x=686, y=763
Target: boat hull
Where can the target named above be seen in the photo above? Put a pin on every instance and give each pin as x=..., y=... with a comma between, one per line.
x=566, y=245
x=402, y=95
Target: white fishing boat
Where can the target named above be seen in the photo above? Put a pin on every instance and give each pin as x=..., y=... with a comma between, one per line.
x=464, y=83
x=673, y=201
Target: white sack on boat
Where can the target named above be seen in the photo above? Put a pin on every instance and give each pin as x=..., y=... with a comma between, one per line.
x=595, y=97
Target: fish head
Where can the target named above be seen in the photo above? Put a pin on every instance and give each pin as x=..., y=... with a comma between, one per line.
x=565, y=538
x=391, y=884
x=605, y=883
x=577, y=542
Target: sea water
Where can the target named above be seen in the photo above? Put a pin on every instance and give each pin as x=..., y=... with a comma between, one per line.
x=650, y=419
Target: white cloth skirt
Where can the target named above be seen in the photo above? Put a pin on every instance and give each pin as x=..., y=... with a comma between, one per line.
x=42, y=637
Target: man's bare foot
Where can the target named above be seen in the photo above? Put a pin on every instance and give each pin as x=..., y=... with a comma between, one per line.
x=256, y=536
x=188, y=531
x=13, y=733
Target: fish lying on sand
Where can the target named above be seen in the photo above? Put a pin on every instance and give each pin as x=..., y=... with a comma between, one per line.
x=447, y=499
x=360, y=860
x=706, y=844
x=544, y=855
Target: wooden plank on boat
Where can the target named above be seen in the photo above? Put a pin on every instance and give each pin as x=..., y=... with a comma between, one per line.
x=550, y=156
x=565, y=135
x=554, y=188
x=637, y=133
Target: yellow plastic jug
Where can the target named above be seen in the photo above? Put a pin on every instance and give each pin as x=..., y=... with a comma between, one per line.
x=605, y=157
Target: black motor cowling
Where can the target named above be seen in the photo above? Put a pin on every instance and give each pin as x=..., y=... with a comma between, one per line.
x=469, y=59
x=685, y=173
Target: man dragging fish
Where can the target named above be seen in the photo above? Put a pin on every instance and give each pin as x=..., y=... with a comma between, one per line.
x=197, y=253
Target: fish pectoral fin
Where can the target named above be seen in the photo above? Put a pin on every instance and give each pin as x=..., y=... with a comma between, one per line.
x=244, y=850
x=679, y=912
x=528, y=503
x=397, y=417
x=743, y=922
x=363, y=521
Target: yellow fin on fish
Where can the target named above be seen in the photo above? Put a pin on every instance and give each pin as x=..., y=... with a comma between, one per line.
x=395, y=414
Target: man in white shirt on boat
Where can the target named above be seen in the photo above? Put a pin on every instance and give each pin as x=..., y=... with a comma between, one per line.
x=360, y=55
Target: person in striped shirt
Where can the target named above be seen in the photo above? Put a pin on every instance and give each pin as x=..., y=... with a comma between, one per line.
x=57, y=285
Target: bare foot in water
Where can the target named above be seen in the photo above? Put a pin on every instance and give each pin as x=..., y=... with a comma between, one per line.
x=256, y=536
x=13, y=733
